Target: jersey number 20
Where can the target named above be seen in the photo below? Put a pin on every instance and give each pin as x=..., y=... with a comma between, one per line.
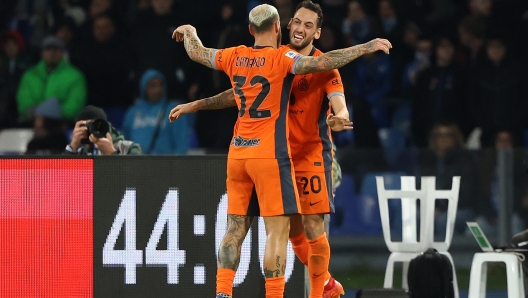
x=254, y=112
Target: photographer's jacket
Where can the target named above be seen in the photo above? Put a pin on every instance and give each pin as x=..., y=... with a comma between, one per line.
x=122, y=146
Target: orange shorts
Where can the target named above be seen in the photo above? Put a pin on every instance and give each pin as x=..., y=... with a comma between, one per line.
x=264, y=187
x=315, y=192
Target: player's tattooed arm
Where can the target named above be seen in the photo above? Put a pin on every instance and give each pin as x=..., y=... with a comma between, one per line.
x=222, y=100
x=193, y=45
x=338, y=58
x=230, y=248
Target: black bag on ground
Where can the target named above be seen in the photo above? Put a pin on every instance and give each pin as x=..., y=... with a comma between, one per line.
x=430, y=275
x=382, y=293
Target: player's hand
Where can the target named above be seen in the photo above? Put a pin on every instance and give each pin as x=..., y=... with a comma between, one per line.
x=378, y=44
x=186, y=108
x=179, y=33
x=105, y=145
x=338, y=123
x=80, y=131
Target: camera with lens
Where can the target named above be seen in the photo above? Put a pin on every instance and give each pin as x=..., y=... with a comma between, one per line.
x=98, y=127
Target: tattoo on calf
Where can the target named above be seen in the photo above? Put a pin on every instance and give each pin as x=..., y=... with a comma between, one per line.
x=229, y=252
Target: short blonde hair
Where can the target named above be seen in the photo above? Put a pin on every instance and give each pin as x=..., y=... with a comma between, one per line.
x=262, y=17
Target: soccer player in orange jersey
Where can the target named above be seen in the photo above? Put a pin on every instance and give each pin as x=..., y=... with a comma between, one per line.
x=260, y=153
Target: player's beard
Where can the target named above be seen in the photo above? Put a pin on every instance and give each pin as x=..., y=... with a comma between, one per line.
x=303, y=44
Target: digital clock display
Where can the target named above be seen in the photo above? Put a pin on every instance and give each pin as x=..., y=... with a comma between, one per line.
x=122, y=227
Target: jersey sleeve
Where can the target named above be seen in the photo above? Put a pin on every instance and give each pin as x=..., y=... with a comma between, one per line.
x=221, y=58
x=289, y=58
x=334, y=85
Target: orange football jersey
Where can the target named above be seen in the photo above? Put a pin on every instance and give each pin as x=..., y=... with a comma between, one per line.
x=262, y=78
x=310, y=137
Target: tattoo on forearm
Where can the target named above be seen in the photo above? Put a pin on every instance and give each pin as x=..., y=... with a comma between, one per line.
x=195, y=49
x=223, y=100
x=229, y=252
x=333, y=59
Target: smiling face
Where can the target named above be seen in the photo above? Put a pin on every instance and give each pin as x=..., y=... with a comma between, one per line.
x=303, y=29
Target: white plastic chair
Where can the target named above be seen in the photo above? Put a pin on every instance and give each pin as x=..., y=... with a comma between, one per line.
x=410, y=246
x=478, y=275
x=15, y=140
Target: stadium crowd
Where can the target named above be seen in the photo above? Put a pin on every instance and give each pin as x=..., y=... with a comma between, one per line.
x=455, y=79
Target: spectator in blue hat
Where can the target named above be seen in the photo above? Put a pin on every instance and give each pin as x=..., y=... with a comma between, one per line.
x=146, y=121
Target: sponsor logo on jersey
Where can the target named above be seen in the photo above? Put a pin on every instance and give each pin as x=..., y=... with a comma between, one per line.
x=241, y=142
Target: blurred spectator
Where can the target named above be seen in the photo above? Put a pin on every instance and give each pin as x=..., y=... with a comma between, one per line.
x=52, y=77
x=372, y=78
x=489, y=182
x=421, y=62
x=441, y=95
x=105, y=60
x=372, y=81
x=33, y=19
x=136, y=7
x=446, y=158
x=471, y=33
x=13, y=62
x=498, y=92
x=154, y=48
x=480, y=7
x=96, y=8
x=393, y=30
x=114, y=143
x=147, y=123
x=70, y=9
x=65, y=29
x=49, y=130
x=358, y=26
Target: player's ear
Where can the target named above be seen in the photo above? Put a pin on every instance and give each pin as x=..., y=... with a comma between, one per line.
x=251, y=30
x=277, y=26
x=317, y=33
x=289, y=24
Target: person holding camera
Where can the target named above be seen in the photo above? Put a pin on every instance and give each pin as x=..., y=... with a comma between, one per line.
x=94, y=135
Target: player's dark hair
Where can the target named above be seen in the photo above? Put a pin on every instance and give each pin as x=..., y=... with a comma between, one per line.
x=266, y=25
x=315, y=7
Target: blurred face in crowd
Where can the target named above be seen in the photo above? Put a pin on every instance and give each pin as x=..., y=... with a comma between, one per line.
x=385, y=10
x=103, y=29
x=226, y=12
x=444, y=138
x=11, y=48
x=410, y=37
x=496, y=51
x=65, y=34
x=52, y=56
x=503, y=140
x=154, y=90
x=97, y=7
x=355, y=11
x=480, y=7
x=162, y=7
x=303, y=28
x=445, y=51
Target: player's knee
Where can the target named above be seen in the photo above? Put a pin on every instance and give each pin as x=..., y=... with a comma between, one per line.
x=313, y=226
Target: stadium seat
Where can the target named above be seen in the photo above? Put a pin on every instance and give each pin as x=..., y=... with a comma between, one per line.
x=411, y=243
x=15, y=140
x=369, y=188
